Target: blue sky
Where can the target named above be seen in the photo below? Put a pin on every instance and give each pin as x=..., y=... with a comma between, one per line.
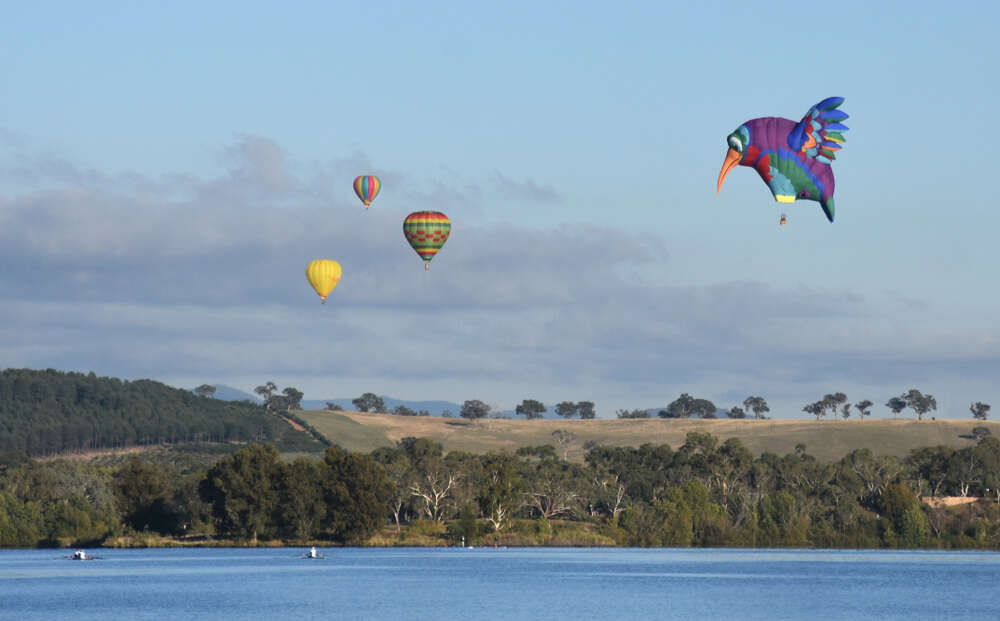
x=167, y=170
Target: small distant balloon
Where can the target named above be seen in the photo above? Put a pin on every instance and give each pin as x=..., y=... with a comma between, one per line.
x=427, y=231
x=367, y=187
x=323, y=275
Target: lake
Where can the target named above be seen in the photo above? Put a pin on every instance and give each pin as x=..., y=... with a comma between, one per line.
x=487, y=583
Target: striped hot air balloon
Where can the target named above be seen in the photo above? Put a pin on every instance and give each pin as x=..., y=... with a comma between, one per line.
x=367, y=187
x=323, y=275
x=427, y=231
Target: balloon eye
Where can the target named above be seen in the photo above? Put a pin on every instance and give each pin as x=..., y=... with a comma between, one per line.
x=735, y=144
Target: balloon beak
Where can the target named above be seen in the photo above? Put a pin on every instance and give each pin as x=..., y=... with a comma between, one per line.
x=733, y=158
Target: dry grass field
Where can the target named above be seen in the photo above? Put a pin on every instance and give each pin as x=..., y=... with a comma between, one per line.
x=825, y=439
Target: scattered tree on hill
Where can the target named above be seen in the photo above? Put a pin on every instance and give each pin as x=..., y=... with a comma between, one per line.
x=704, y=408
x=979, y=410
x=530, y=409
x=265, y=392
x=863, y=408
x=897, y=405
x=637, y=413
x=333, y=407
x=474, y=408
x=817, y=409
x=833, y=402
x=919, y=402
x=586, y=409
x=566, y=409
x=681, y=407
x=757, y=405
x=205, y=390
x=369, y=402
x=736, y=412
x=402, y=410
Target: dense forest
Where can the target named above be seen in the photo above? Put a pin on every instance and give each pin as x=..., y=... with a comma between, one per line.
x=703, y=493
x=51, y=412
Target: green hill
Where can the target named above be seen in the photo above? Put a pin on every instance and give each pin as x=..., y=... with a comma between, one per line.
x=51, y=412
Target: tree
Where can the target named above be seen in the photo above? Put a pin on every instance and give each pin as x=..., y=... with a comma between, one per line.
x=205, y=390
x=265, y=392
x=564, y=439
x=979, y=410
x=566, y=409
x=474, y=408
x=757, y=405
x=243, y=491
x=703, y=408
x=816, y=408
x=896, y=404
x=586, y=409
x=530, y=409
x=632, y=413
x=736, y=412
x=293, y=399
x=919, y=402
x=681, y=407
x=863, y=408
x=141, y=491
x=369, y=402
x=402, y=410
x=500, y=486
x=333, y=407
x=834, y=401
x=302, y=507
x=357, y=493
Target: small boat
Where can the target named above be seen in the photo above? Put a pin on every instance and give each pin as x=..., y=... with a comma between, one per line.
x=312, y=553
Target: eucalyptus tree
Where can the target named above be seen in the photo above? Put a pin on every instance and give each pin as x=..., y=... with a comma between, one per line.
x=863, y=408
x=530, y=409
x=757, y=405
x=979, y=410
x=919, y=402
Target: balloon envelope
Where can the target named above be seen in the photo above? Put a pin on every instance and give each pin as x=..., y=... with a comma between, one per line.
x=367, y=187
x=323, y=275
x=427, y=231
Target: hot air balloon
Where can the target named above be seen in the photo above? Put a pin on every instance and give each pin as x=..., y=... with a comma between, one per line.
x=792, y=158
x=367, y=187
x=323, y=275
x=427, y=231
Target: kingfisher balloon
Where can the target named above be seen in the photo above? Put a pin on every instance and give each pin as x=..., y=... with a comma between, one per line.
x=792, y=158
x=427, y=231
x=367, y=187
x=323, y=275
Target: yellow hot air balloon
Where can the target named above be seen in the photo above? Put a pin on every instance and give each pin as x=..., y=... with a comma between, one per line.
x=323, y=275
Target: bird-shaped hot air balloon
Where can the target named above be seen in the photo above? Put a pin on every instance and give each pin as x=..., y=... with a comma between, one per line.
x=427, y=231
x=792, y=158
x=323, y=275
x=367, y=187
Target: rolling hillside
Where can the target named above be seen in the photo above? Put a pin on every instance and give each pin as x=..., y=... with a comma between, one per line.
x=826, y=440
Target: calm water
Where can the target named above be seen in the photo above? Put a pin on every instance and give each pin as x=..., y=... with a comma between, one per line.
x=535, y=584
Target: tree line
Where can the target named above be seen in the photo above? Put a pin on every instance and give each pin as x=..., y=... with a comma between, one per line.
x=703, y=493
x=50, y=412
